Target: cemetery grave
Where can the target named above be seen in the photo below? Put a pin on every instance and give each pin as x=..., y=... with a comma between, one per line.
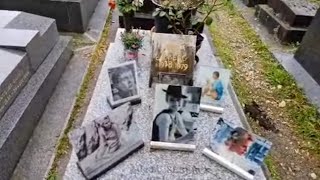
x=39, y=55
x=289, y=20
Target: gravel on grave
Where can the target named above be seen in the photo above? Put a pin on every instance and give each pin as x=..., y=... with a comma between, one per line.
x=151, y=164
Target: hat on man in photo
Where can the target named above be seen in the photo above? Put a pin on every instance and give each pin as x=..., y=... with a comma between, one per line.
x=174, y=91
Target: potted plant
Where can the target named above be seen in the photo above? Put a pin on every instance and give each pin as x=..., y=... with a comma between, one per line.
x=127, y=8
x=132, y=42
x=185, y=17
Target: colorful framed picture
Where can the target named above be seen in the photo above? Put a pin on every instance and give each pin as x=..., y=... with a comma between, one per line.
x=214, y=82
x=175, y=114
x=244, y=150
x=103, y=143
x=123, y=84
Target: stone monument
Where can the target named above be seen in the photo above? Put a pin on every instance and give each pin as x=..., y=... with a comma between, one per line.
x=70, y=15
x=32, y=58
x=289, y=20
x=308, y=54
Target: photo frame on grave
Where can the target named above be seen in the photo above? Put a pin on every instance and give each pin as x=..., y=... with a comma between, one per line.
x=123, y=84
x=172, y=54
x=237, y=149
x=175, y=115
x=106, y=141
x=214, y=82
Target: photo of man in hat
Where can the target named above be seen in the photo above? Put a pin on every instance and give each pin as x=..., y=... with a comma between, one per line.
x=168, y=124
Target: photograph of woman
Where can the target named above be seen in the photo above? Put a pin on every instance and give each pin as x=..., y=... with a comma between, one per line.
x=175, y=111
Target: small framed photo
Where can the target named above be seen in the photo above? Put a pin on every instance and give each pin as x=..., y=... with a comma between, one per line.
x=172, y=78
x=240, y=150
x=123, y=84
x=106, y=141
x=176, y=112
x=214, y=82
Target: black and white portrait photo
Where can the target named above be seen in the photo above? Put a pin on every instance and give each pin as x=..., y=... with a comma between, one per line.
x=102, y=143
x=123, y=83
x=175, y=113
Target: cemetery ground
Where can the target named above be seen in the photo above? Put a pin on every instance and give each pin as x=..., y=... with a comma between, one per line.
x=258, y=76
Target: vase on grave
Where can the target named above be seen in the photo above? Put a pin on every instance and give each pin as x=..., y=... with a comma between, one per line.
x=128, y=18
x=131, y=54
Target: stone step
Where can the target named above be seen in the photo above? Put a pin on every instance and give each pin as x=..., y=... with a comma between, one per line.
x=19, y=121
x=252, y=3
x=15, y=72
x=20, y=34
x=71, y=15
x=37, y=157
x=297, y=13
x=274, y=24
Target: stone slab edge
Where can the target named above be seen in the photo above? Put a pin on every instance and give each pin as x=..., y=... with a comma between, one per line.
x=44, y=79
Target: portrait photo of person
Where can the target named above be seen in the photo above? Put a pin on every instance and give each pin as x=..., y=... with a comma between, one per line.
x=105, y=139
x=214, y=82
x=238, y=146
x=175, y=112
x=123, y=83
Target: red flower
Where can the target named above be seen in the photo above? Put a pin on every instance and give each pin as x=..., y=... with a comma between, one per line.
x=112, y=4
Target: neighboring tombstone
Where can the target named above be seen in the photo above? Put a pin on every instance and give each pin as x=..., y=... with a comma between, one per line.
x=308, y=54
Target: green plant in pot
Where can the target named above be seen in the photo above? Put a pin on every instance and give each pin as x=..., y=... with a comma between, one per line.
x=128, y=8
x=132, y=42
x=185, y=17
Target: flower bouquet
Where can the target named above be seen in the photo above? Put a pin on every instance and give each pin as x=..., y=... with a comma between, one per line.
x=132, y=42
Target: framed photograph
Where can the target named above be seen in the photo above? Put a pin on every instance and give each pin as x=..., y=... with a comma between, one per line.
x=106, y=141
x=214, y=82
x=172, y=78
x=175, y=114
x=172, y=53
x=239, y=147
x=123, y=84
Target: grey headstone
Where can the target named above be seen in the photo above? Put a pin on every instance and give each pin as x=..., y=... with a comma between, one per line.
x=308, y=54
x=18, y=123
x=39, y=48
x=14, y=74
x=71, y=15
x=147, y=164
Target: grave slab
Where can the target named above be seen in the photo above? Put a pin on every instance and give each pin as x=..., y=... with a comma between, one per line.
x=16, y=38
x=7, y=16
x=298, y=13
x=39, y=48
x=140, y=20
x=71, y=15
x=19, y=121
x=308, y=54
x=274, y=24
x=147, y=164
x=15, y=72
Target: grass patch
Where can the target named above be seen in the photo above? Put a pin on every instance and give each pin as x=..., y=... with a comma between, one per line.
x=63, y=145
x=306, y=120
x=272, y=169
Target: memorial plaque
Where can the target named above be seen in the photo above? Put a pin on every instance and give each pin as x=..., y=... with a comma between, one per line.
x=14, y=74
x=237, y=149
x=173, y=55
x=106, y=141
x=214, y=82
x=174, y=117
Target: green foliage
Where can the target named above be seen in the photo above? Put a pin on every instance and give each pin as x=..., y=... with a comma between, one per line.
x=132, y=40
x=129, y=6
x=181, y=15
